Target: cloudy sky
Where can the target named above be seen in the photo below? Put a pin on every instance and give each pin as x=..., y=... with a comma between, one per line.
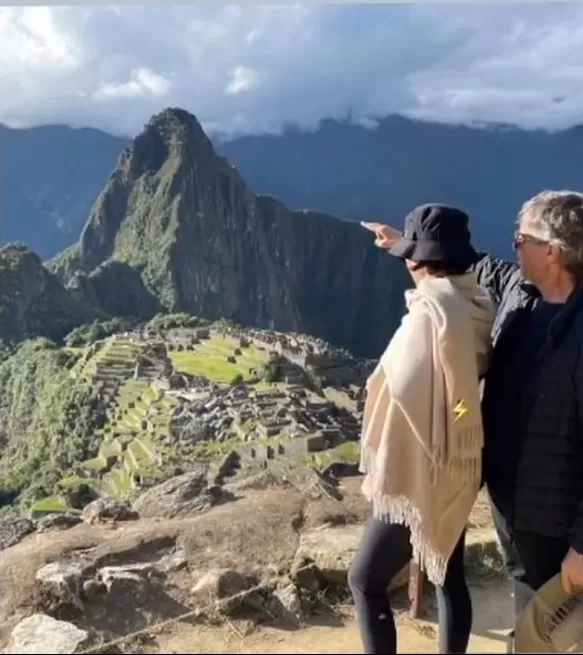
x=250, y=68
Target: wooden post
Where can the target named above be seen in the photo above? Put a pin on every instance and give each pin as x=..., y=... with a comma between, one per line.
x=416, y=579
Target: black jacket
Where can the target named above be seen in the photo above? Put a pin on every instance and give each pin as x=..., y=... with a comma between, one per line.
x=533, y=458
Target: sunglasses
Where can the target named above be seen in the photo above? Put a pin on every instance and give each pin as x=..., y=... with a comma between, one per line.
x=521, y=237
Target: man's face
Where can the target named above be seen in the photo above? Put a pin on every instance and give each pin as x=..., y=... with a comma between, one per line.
x=535, y=254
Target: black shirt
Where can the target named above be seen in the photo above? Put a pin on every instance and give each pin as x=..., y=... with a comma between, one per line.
x=530, y=339
x=504, y=398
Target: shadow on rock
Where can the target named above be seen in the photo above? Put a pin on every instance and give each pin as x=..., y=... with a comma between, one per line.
x=115, y=602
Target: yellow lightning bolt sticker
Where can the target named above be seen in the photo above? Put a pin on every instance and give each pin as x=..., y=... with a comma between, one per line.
x=460, y=410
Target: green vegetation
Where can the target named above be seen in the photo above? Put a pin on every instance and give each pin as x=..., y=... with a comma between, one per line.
x=108, y=362
x=347, y=452
x=91, y=332
x=60, y=440
x=53, y=504
x=210, y=359
x=47, y=420
x=76, y=421
x=180, y=320
x=137, y=418
x=33, y=303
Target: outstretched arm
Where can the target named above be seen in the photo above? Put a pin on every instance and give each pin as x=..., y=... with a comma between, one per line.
x=497, y=275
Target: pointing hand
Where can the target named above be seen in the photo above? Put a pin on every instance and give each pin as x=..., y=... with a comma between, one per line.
x=385, y=235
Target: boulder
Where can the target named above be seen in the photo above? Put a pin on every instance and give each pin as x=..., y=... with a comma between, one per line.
x=285, y=603
x=184, y=495
x=13, y=530
x=306, y=575
x=255, y=482
x=93, y=591
x=313, y=484
x=216, y=586
x=174, y=561
x=60, y=584
x=57, y=522
x=126, y=582
x=108, y=509
x=41, y=633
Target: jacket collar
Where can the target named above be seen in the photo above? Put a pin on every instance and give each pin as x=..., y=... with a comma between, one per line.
x=563, y=319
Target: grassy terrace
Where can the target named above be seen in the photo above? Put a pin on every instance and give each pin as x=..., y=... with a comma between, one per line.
x=132, y=441
x=209, y=359
x=138, y=416
x=114, y=360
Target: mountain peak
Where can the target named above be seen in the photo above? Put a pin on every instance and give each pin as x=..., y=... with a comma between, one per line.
x=174, y=118
x=171, y=132
x=16, y=253
x=177, y=228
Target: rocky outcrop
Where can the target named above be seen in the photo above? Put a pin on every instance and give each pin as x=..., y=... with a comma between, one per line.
x=59, y=585
x=13, y=530
x=203, y=242
x=276, y=554
x=108, y=509
x=41, y=633
x=184, y=495
x=222, y=589
x=132, y=297
x=32, y=301
x=53, y=522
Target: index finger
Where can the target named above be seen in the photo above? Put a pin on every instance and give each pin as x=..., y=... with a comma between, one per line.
x=373, y=227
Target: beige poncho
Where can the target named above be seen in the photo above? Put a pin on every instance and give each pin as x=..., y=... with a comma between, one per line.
x=422, y=428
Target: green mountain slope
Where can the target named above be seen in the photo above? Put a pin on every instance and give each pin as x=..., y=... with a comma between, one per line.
x=32, y=301
x=202, y=242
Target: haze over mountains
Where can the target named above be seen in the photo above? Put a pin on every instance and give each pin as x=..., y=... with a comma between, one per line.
x=53, y=174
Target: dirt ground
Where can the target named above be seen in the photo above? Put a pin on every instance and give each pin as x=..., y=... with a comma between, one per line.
x=259, y=532
x=492, y=607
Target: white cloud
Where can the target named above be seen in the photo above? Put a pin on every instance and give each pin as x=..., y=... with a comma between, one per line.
x=31, y=38
x=242, y=79
x=252, y=68
x=142, y=82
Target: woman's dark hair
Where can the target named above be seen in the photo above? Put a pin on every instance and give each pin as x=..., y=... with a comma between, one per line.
x=444, y=268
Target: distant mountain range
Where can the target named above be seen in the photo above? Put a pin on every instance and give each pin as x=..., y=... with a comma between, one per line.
x=51, y=175
x=177, y=229
x=49, y=179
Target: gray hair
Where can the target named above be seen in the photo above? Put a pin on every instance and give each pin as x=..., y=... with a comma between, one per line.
x=557, y=217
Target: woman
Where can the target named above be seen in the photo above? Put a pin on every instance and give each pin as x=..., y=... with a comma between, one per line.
x=422, y=439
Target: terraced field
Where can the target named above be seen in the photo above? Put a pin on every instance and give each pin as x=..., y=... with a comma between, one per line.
x=138, y=417
x=210, y=359
x=138, y=414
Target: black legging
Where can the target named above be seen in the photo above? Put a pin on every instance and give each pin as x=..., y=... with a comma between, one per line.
x=384, y=551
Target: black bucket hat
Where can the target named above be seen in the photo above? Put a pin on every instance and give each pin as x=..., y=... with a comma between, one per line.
x=436, y=233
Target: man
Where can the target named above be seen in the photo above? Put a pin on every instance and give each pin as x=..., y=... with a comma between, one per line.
x=533, y=393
